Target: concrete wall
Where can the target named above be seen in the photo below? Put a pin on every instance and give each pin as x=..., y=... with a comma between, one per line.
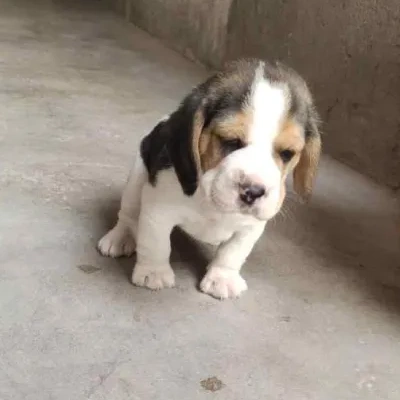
x=349, y=51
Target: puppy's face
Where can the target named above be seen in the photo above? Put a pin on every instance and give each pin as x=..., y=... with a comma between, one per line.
x=240, y=134
x=245, y=158
x=261, y=126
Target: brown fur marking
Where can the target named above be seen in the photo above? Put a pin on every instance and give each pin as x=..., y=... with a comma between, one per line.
x=231, y=127
x=306, y=170
x=198, y=124
x=305, y=160
x=289, y=138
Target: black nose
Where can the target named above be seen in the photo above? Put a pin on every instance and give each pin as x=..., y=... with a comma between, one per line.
x=250, y=193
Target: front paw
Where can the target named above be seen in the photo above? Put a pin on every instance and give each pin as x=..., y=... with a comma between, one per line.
x=117, y=242
x=153, y=278
x=223, y=283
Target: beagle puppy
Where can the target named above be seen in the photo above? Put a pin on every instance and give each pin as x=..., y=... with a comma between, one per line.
x=216, y=167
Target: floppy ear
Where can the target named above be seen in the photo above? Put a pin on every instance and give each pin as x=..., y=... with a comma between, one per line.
x=174, y=142
x=306, y=169
x=154, y=152
x=186, y=125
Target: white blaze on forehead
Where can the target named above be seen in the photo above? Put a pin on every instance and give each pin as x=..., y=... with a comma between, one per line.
x=269, y=104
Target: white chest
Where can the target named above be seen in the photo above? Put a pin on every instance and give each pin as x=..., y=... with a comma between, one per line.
x=213, y=228
x=207, y=231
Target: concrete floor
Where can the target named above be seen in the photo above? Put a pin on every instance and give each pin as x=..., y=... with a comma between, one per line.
x=321, y=319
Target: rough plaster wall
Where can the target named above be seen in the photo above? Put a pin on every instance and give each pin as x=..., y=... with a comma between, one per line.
x=348, y=51
x=196, y=28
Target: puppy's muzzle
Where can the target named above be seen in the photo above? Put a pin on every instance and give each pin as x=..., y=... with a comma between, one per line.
x=249, y=193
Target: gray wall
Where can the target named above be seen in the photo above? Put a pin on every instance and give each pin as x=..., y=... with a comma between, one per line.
x=348, y=50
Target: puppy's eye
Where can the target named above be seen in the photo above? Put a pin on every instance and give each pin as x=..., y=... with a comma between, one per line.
x=286, y=155
x=230, y=145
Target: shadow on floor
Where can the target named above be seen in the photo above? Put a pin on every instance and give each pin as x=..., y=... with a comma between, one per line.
x=352, y=242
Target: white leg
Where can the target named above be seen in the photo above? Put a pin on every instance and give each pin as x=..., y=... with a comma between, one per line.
x=223, y=279
x=153, y=269
x=120, y=241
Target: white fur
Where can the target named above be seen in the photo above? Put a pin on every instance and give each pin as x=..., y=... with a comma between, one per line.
x=269, y=105
x=163, y=207
x=214, y=214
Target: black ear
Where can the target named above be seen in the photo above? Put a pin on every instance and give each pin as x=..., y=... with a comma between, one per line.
x=187, y=124
x=174, y=143
x=153, y=150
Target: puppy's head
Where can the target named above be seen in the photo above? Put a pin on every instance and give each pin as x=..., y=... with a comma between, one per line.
x=238, y=135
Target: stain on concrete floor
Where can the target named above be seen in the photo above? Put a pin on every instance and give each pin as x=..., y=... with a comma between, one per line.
x=88, y=269
x=212, y=384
